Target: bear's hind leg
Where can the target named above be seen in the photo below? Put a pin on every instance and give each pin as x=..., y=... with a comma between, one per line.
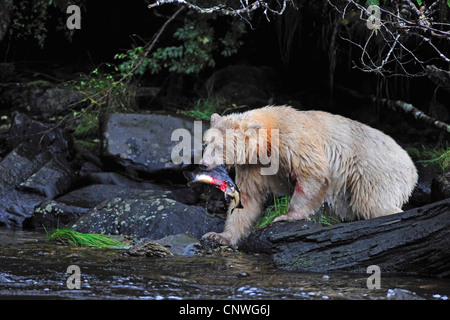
x=307, y=198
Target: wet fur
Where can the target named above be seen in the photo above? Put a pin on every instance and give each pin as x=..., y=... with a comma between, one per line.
x=360, y=171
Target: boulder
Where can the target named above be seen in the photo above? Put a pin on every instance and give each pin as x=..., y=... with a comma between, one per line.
x=71, y=206
x=151, y=218
x=31, y=171
x=40, y=137
x=52, y=179
x=143, y=142
x=52, y=214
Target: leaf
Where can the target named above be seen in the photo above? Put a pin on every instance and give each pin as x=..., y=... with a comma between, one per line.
x=375, y=2
x=419, y=2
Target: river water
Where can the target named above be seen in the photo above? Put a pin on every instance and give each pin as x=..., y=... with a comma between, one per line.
x=33, y=267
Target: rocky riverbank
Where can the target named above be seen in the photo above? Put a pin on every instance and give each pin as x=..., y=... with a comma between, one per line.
x=128, y=185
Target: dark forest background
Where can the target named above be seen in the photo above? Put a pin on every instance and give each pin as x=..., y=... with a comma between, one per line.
x=309, y=57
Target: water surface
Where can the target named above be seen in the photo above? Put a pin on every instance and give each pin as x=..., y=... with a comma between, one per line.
x=33, y=267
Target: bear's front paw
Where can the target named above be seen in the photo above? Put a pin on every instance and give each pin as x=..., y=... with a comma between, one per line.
x=220, y=238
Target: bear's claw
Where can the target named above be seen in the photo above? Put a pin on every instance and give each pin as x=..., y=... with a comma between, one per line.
x=220, y=238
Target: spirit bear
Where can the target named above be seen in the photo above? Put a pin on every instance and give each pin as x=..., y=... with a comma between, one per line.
x=361, y=172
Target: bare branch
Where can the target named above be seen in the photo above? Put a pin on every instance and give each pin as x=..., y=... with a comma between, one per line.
x=246, y=7
x=398, y=35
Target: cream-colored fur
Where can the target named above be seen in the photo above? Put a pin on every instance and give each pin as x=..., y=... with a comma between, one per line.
x=360, y=171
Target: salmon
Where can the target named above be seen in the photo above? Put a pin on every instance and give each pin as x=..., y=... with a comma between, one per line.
x=219, y=178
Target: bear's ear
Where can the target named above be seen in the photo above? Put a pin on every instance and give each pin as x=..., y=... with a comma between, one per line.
x=215, y=118
x=255, y=126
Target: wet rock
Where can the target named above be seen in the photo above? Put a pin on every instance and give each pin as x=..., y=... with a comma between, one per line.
x=440, y=187
x=143, y=141
x=402, y=294
x=149, y=249
x=52, y=179
x=181, y=244
x=152, y=218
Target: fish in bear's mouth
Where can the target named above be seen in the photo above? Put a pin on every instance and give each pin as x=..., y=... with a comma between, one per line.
x=219, y=178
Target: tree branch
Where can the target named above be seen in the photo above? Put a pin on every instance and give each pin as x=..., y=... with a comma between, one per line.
x=405, y=29
x=228, y=11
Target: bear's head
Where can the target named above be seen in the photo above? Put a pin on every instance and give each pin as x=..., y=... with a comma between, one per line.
x=231, y=140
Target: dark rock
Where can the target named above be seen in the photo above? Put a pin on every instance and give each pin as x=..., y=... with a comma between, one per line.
x=92, y=195
x=422, y=192
x=39, y=100
x=153, y=218
x=40, y=137
x=119, y=180
x=53, y=214
x=33, y=146
x=143, y=141
x=145, y=96
x=20, y=164
x=181, y=244
x=88, y=168
x=52, y=179
x=16, y=206
x=49, y=101
x=16, y=167
x=440, y=187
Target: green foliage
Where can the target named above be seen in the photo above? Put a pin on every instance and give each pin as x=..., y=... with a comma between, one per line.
x=195, y=46
x=203, y=109
x=430, y=156
x=105, y=91
x=78, y=239
x=29, y=18
x=325, y=220
x=280, y=206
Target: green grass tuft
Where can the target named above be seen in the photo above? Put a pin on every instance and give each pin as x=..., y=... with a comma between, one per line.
x=427, y=156
x=281, y=206
x=78, y=239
